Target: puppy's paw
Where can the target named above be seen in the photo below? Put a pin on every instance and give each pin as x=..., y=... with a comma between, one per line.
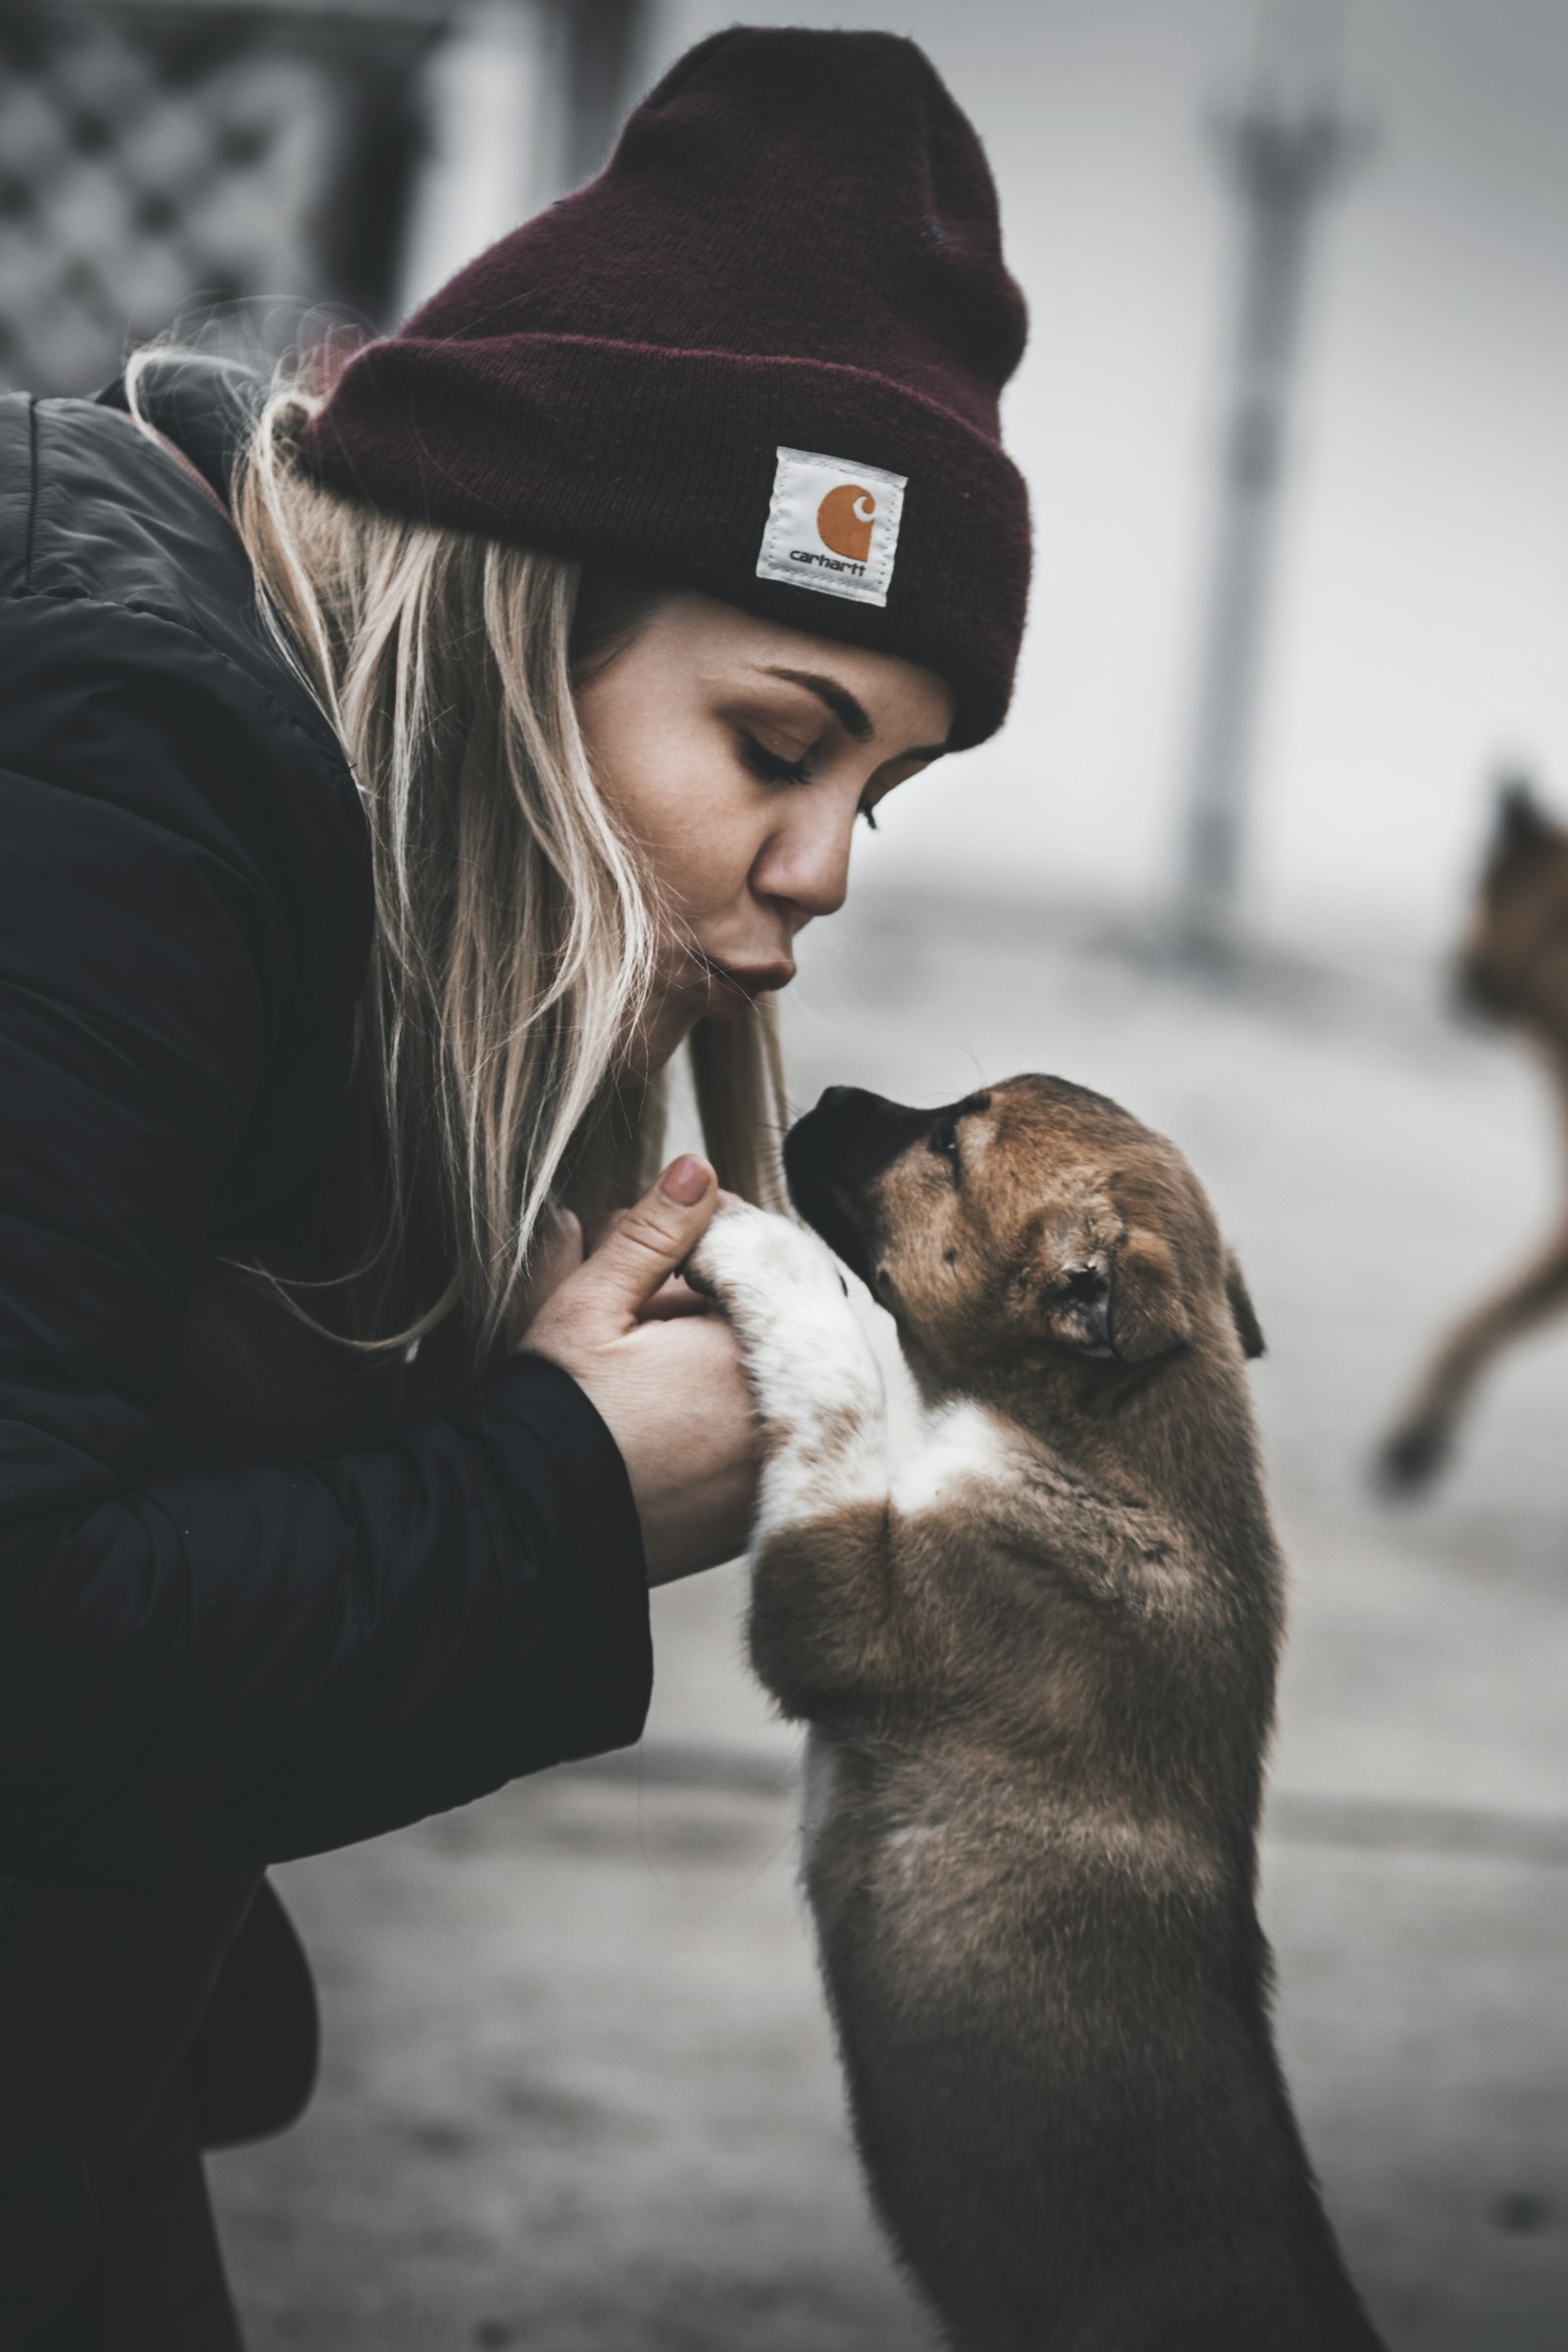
x=809, y=1364
x=757, y=1266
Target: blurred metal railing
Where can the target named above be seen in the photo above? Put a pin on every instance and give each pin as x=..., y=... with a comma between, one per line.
x=229, y=166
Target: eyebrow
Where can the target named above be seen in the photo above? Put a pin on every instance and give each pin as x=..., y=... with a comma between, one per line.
x=846, y=710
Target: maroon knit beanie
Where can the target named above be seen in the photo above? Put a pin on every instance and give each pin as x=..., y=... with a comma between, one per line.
x=758, y=356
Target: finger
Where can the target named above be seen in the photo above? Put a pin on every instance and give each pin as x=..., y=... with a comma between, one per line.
x=675, y=1297
x=648, y=1243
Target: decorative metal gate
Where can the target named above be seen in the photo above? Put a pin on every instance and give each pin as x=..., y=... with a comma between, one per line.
x=227, y=165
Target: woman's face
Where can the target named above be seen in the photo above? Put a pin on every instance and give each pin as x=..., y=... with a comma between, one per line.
x=738, y=755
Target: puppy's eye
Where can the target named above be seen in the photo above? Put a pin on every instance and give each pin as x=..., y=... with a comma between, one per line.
x=944, y=1142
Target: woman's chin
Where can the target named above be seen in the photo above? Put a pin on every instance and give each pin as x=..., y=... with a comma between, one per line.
x=656, y=1041
x=659, y=1035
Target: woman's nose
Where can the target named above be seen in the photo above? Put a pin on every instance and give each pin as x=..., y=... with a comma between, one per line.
x=806, y=864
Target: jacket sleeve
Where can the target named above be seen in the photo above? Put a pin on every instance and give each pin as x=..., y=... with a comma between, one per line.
x=206, y=1667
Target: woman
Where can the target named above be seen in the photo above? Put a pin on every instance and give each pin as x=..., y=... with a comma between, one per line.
x=395, y=777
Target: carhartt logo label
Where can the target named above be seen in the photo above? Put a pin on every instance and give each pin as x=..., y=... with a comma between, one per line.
x=844, y=522
x=832, y=526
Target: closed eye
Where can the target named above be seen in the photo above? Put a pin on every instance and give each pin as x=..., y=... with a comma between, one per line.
x=771, y=767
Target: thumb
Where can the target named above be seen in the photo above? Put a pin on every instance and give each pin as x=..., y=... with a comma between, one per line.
x=650, y=1241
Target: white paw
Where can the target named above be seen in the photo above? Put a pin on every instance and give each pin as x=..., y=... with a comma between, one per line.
x=817, y=1386
x=758, y=1266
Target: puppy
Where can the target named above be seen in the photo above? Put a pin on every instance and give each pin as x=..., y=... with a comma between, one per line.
x=1036, y=1652
x=1513, y=968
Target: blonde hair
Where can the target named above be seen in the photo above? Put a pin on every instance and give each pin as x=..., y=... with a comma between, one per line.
x=515, y=930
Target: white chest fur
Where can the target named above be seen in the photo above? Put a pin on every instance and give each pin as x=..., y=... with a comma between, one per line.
x=820, y=1390
x=956, y=1448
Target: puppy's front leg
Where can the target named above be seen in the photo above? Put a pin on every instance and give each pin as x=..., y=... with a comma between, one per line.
x=819, y=1548
x=817, y=1385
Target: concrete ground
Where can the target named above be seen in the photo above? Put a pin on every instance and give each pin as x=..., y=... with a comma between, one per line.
x=579, y=2091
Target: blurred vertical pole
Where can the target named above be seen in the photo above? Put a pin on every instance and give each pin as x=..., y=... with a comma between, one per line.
x=1280, y=159
x=524, y=102
x=604, y=51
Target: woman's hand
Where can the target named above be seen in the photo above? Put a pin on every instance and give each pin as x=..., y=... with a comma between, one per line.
x=663, y=1372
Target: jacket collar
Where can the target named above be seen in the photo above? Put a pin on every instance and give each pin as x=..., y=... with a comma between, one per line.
x=205, y=406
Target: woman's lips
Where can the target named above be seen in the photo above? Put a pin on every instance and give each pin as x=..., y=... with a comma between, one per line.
x=736, y=986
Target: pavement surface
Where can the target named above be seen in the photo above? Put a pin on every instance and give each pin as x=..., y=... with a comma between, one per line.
x=580, y=2093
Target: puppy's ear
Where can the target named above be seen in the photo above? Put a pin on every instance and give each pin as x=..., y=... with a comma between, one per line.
x=1149, y=1316
x=1120, y=1302
x=1521, y=822
x=1249, y=1330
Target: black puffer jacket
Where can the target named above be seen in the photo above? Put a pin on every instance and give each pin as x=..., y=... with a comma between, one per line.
x=247, y=1608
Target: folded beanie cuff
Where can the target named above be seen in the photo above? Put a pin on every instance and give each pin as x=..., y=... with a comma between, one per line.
x=663, y=459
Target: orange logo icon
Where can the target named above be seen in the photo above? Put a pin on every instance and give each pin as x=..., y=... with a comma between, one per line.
x=844, y=522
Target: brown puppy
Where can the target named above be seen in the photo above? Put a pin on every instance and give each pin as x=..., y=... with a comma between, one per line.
x=1037, y=1655
x=1514, y=967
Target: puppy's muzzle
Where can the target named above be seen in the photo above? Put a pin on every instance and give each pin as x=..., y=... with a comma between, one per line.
x=834, y=1156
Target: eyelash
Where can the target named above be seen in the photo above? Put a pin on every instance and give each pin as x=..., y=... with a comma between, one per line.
x=771, y=769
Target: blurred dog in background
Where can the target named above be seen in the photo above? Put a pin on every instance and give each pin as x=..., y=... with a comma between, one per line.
x=1513, y=968
x=1035, y=1644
